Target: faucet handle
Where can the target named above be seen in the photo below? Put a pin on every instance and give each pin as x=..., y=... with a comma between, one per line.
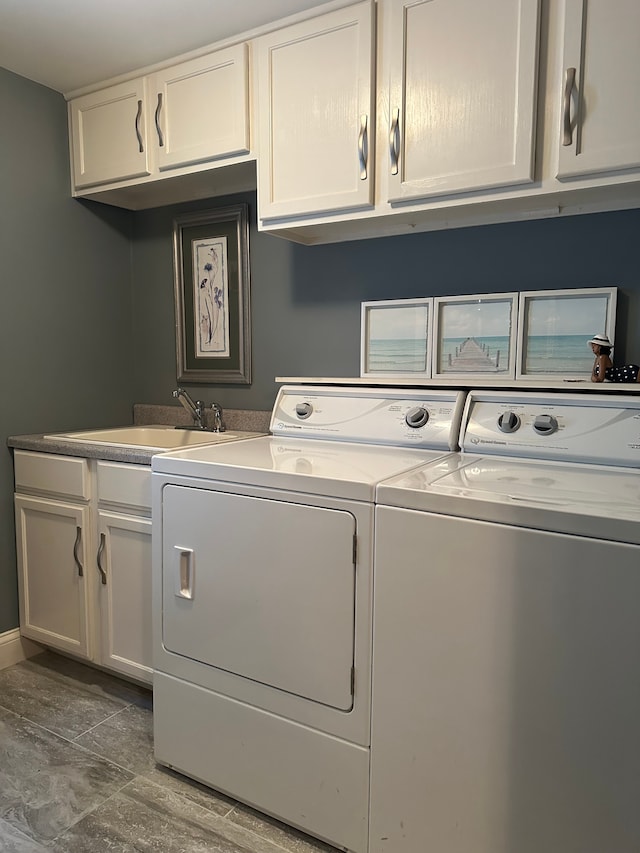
x=218, y=425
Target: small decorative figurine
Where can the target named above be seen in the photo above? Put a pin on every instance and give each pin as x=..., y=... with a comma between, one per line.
x=603, y=368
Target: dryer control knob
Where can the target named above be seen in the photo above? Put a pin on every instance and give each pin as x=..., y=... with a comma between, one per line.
x=545, y=424
x=303, y=410
x=508, y=422
x=416, y=417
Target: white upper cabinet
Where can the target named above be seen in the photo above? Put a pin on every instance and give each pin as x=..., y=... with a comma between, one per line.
x=193, y=112
x=109, y=134
x=201, y=108
x=462, y=95
x=601, y=84
x=316, y=114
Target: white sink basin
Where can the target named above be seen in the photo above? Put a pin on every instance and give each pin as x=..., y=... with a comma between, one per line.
x=156, y=437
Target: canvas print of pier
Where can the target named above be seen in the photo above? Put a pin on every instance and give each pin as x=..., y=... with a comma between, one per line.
x=396, y=337
x=475, y=335
x=555, y=326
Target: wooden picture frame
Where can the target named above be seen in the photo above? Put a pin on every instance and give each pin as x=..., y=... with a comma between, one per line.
x=211, y=276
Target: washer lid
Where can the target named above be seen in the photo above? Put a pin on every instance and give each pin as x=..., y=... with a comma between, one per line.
x=330, y=468
x=587, y=500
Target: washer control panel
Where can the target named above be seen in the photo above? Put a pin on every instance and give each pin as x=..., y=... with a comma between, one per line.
x=572, y=427
x=427, y=418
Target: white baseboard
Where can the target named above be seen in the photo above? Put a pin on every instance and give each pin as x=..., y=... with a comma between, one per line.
x=14, y=648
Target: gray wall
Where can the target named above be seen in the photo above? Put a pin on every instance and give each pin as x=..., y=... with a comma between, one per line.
x=65, y=296
x=306, y=300
x=87, y=317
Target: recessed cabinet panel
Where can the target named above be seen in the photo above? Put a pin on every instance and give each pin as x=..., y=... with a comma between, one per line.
x=123, y=483
x=600, y=118
x=52, y=544
x=316, y=115
x=109, y=135
x=47, y=472
x=201, y=108
x=125, y=600
x=462, y=95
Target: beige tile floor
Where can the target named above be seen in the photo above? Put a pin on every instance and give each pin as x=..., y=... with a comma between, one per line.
x=77, y=775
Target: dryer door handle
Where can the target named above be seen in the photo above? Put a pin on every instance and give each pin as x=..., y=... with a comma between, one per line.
x=185, y=572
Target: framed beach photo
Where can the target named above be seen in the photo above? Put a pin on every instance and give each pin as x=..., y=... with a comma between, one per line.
x=475, y=336
x=555, y=326
x=395, y=338
x=211, y=273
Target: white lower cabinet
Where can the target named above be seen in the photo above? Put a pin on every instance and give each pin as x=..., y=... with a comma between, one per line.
x=52, y=561
x=83, y=535
x=124, y=561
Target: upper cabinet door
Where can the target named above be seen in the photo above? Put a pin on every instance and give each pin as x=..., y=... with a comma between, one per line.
x=200, y=108
x=316, y=115
x=462, y=97
x=600, y=121
x=109, y=136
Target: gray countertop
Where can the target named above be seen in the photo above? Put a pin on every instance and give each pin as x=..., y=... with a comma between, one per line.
x=37, y=442
x=143, y=414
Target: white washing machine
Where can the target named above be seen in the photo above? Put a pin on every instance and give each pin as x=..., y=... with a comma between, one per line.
x=506, y=674
x=262, y=564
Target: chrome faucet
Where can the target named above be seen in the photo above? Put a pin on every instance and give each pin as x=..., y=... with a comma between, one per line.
x=196, y=410
x=218, y=425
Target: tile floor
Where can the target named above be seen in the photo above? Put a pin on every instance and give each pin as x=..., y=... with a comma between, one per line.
x=77, y=775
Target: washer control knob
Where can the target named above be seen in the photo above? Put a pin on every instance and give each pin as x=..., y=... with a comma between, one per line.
x=545, y=424
x=303, y=410
x=508, y=422
x=416, y=417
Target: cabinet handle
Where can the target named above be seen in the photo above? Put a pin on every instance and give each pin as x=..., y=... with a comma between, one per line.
x=138, y=134
x=363, y=147
x=394, y=141
x=185, y=572
x=103, y=574
x=158, y=128
x=569, y=83
x=75, y=552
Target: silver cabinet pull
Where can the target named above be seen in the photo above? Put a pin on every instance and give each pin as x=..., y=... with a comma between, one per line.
x=138, y=134
x=103, y=574
x=394, y=141
x=569, y=83
x=363, y=147
x=76, y=545
x=158, y=128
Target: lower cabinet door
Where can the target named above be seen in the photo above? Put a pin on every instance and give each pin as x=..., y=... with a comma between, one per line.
x=52, y=548
x=123, y=562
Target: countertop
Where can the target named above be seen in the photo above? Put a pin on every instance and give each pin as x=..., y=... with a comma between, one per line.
x=143, y=414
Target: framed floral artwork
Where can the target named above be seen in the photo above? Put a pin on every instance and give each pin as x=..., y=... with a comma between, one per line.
x=211, y=273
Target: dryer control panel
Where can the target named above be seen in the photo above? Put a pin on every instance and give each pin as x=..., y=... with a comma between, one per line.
x=567, y=427
x=425, y=418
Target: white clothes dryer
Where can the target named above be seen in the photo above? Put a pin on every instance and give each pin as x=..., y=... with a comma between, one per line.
x=262, y=579
x=506, y=664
